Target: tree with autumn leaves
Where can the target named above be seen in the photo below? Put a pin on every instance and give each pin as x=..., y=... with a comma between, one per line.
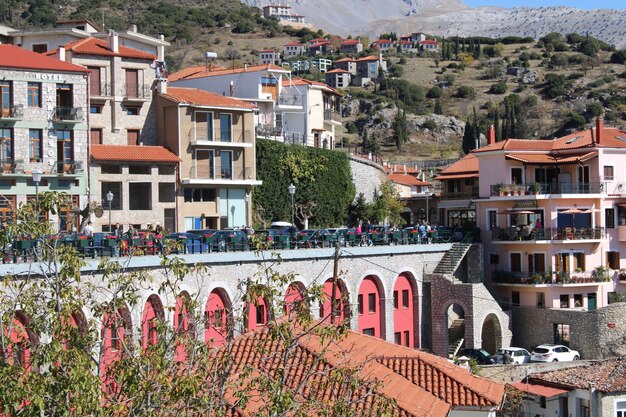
x=69, y=346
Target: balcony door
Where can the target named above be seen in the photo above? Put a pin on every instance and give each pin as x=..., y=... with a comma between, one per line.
x=204, y=164
x=132, y=83
x=94, y=81
x=226, y=129
x=204, y=126
x=583, y=178
x=6, y=98
x=536, y=263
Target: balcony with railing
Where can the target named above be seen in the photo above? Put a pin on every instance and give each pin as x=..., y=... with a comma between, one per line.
x=12, y=166
x=69, y=168
x=69, y=114
x=100, y=90
x=332, y=115
x=269, y=131
x=596, y=276
x=12, y=112
x=203, y=173
x=529, y=234
x=137, y=92
x=466, y=194
x=219, y=137
x=501, y=190
x=290, y=100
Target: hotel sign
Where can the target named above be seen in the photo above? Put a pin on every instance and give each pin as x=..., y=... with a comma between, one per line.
x=525, y=204
x=49, y=77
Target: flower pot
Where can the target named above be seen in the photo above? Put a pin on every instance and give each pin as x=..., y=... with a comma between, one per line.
x=110, y=243
x=82, y=243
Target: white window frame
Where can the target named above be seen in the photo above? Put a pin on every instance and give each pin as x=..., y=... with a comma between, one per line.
x=521, y=168
x=622, y=409
x=545, y=260
x=210, y=128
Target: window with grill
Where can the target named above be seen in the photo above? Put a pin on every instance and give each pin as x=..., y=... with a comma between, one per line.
x=369, y=332
x=609, y=215
x=360, y=303
x=395, y=299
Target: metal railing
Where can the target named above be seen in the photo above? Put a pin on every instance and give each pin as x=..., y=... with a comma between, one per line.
x=269, y=131
x=69, y=167
x=232, y=136
x=550, y=277
x=529, y=233
x=75, y=114
x=293, y=138
x=547, y=188
x=290, y=100
x=102, y=90
x=460, y=195
x=139, y=91
x=221, y=173
x=13, y=112
x=333, y=115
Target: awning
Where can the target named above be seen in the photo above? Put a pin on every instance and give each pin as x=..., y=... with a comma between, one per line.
x=538, y=389
x=548, y=159
x=457, y=204
x=456, y=176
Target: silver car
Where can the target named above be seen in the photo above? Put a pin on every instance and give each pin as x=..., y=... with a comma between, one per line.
x=516, y=355
x=554, y=353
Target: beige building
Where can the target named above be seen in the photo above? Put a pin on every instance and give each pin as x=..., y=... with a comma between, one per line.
x=214, y=137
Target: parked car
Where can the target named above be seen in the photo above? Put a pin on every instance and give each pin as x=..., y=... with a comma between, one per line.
x=479, y=355
x=554, y=353
x=517, y=355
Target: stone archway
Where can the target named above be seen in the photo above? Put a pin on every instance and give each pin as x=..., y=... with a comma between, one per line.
x=371, y=307
x=455, y=324
x=218, y=318
x=491, y=334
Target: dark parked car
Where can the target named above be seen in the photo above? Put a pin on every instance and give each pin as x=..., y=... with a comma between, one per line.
x=479, y=355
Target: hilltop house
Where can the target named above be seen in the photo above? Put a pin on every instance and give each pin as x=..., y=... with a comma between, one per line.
x=351, y=46
x=214, y=138
x=338, y=78
x=293, y=49
x=347, y=64
x=417, y=196
x=429, y=46
x=269, y=56
x=383, y=45
x=282, y=12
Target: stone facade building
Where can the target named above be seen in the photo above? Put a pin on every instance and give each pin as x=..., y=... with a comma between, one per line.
x=43, y=128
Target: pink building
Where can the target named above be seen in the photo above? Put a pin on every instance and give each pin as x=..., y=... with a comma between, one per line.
x=553, y=217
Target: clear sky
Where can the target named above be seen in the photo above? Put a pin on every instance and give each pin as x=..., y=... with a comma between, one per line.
x=581, y=4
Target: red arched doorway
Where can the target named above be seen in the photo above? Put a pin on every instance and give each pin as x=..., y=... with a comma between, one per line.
x=217, y=317
x=342, y=302
x=152, y=316
x=370, y=308
x=405, y=312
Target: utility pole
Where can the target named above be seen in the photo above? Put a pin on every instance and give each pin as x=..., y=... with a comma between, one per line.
x=333, y=312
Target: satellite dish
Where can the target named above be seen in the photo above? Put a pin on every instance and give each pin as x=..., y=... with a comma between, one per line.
x=99, y=211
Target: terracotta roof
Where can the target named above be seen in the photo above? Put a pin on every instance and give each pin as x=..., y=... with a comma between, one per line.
x=345, y=60
x=466, y=167
x=195, y=96
x=128, y=153
x=294, y=43
x=338, y=71
x=12, y=56
x=305, y=82
x=608, y=375
x=215, y=71
x=610, y=138
x=415, y=382
x=405, y=43
x=538, y=389
x=406, y=179
x=368, y=58
x=546, y=159
x=318, y=44
x=318, y=40
x=429, y=42
x=93, y=46
x=186, y=72
x=350, y=42
x=383, y=41
x=268, y=50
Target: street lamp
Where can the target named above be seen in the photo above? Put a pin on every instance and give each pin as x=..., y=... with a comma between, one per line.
x=292, y=191
x=247, y=208
x=110, y=200
x=37, y=179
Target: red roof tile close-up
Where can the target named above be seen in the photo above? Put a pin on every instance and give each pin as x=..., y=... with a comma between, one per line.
x=132, y=153
x=608, y=375
x=93, y=46
x=12, y=56
x=406, y=179
x=215, y=71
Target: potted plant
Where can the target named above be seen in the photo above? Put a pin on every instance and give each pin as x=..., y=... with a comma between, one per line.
x=110, y=241
x=499, y=188
x=622, y=274
x=535, y=188
x=83, y=241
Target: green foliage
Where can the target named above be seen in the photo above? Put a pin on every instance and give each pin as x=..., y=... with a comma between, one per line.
x=359, y=210
x=438, y=108
x=400, y=128
x=514, y=119
x=465, y=91
x=471, y=134
x=430, y=125
x=321, y=176
x=555, y=86
x=387, y=206
x=498, y=88
x=595, y=109
x=370, y=144
x=435, y=92
x=619, y=57
x=411, y=95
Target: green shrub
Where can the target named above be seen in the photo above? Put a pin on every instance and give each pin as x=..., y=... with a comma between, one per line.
x=465, y=91
x=498, y=88
x=430, y=125
x=435, y=92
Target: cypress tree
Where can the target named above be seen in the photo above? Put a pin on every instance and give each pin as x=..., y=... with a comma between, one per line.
x=438, y=108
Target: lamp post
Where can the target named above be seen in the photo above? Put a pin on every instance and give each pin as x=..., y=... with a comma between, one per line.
x=292, y=191
x=110, y=200
x=247, y=208
x=37, y=179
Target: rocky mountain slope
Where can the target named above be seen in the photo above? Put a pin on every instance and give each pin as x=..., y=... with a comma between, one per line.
x=453, y=17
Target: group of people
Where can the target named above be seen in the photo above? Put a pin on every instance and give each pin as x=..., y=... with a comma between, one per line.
x=118, y=230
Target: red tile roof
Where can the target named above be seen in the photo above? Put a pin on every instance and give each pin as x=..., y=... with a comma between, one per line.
x=610, y=138
x=405, y=43
x=350, y=42
x=128, y=153
x=429, y=42
x=368, y=58
x=194, y=96
x=93, y=46
x=383, y=41
x=215, y=71
x=466, y=167
x=293, y=44
x=12, y=56
x=268, y=51
x=406, y=179
x=546, y=159
x=318, y=44
x=345, y=60
x=338, y=71
x=187, y=72
x=538, y=389
x=608, y=375
x=305, y=82
x=417, y=383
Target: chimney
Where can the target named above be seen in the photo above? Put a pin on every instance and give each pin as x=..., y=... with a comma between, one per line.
x=132, y=28
x=491, y=135
x=599, y=130
x=232, y=88
x=62, y=53
x=162, y=86
x=114, y=41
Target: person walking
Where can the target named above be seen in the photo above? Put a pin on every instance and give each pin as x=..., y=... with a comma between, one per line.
x=88, y=229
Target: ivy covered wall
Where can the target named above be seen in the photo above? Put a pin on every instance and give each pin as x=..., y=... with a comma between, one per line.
x=321, y=176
